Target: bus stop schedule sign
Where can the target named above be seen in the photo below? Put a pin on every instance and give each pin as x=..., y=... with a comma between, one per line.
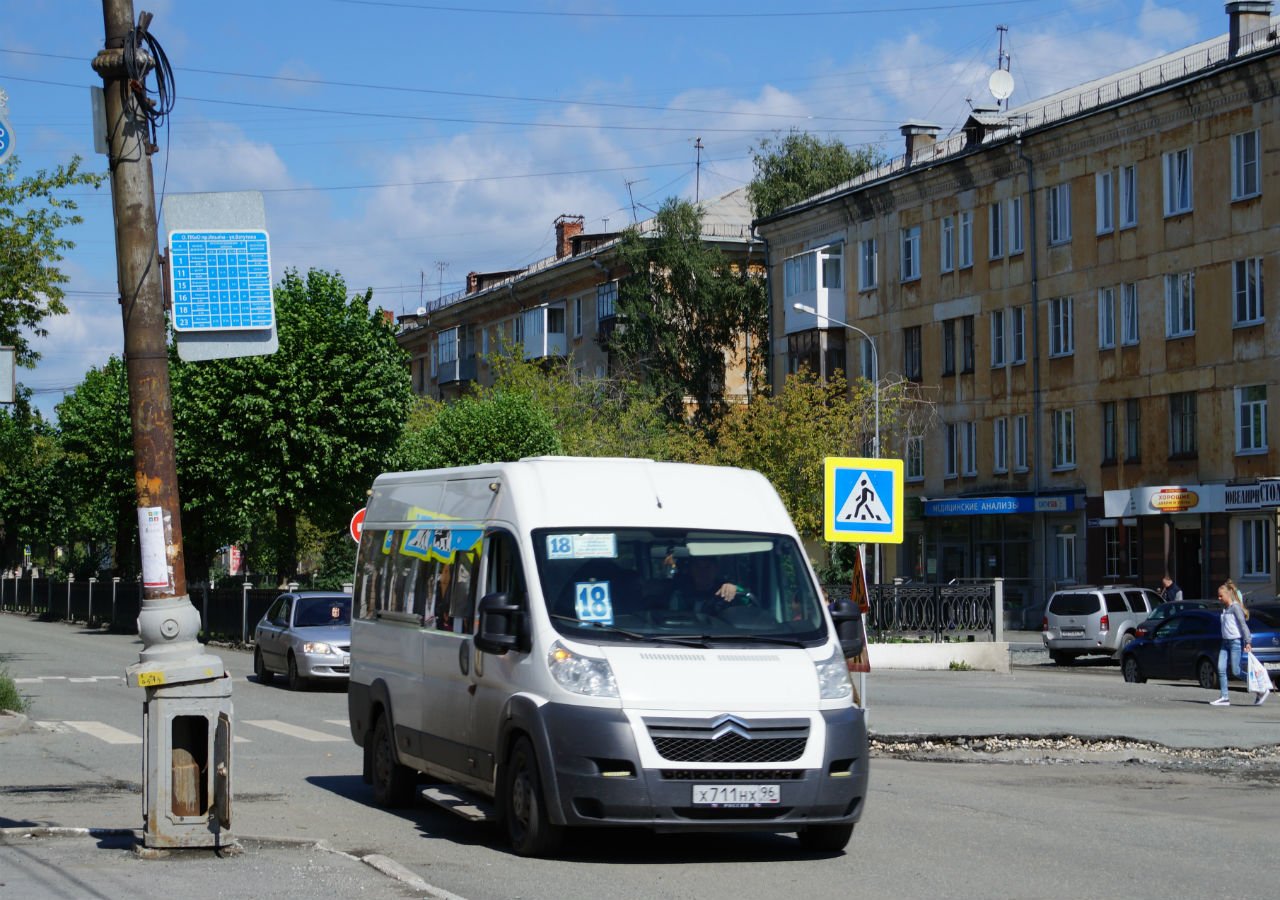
x=221, y=280
x=863, y=500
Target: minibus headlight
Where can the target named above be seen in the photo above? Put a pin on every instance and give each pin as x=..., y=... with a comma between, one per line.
x=833, y=678
x=581, y=674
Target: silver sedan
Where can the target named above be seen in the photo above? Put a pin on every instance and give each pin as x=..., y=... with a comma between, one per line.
x=305, y=635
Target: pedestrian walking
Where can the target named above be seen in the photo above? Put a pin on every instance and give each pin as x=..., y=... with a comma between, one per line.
x=1235, y=640
x=1169, y=589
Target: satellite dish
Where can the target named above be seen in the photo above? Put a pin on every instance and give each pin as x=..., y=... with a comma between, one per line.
x=422, y=310
x=1000, y=84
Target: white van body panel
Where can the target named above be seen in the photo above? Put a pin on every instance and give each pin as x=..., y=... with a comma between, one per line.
x=663, y=678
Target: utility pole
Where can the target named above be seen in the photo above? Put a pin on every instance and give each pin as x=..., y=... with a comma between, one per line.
x=440, y=267
x=185, y=686
x=697, y=178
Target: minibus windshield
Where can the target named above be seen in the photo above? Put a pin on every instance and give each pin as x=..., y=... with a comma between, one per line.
x=682, y=586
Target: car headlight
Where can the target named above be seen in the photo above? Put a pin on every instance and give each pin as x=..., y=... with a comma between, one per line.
x=581, y=674
x=318, y=647
x=833, y=678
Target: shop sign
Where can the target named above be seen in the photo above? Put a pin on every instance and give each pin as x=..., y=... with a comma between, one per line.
x=1253, y=496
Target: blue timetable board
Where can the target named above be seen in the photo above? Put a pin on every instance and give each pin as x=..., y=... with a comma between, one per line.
x=220, y=280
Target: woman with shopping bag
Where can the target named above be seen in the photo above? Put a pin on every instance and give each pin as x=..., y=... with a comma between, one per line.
x=1259, y=680
x=1236, y=640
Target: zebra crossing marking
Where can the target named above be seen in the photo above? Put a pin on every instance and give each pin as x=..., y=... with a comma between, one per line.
x=297, y=731
x=105, y=732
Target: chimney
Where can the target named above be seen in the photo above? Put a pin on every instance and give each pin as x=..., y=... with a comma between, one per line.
x=473, y=282
x=1245, y=17
x=920, y=136
x=567, y=228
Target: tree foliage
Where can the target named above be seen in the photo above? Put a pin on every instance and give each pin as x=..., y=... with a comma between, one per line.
x=96, y=467
x=34, y=210
x=683, y=309
x=28, y=458
x=798, y=166
x=265, y=440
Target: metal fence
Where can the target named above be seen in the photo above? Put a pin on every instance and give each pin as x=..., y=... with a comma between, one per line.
x=227, y=613
x=934, y=612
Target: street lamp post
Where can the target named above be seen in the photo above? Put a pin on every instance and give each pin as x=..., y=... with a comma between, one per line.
x=875, y=365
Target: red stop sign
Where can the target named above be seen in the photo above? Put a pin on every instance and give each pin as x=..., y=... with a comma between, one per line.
x=357, y=524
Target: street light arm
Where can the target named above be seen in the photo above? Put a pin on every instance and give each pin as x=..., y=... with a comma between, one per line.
x=875, y=359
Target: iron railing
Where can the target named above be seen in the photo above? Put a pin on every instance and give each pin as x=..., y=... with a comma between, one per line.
x=934, y=612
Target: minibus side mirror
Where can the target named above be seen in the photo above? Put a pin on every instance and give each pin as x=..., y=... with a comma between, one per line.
x=848, y=621
x=500, y=624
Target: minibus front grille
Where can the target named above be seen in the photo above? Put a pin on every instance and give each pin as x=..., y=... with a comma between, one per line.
x=729, y=739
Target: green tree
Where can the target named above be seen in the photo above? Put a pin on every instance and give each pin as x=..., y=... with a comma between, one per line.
x=34, y=210
x=96, y=467
x=800, y=165
x=683, y=309
x=265, y=440
x=28, y=458
x=472, y=430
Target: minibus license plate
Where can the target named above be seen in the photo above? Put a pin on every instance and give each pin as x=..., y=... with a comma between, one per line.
x=736, y=794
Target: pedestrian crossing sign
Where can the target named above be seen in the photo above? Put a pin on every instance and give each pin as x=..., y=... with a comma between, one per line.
x=863, y=500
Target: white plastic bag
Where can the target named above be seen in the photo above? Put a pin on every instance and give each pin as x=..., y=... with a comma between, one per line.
x=1259, y=677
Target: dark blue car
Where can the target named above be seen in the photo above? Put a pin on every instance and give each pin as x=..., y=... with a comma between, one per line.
x=1186, y=646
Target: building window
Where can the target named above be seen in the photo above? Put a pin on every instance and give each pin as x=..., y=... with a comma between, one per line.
x=1060, y=213
x=1180, y=304
x=947, y=244
x=1020, y=456
x=1015, y=225
x=1106, y=318
x=1182, y=424
x=1132, y=430
x=1064, y=439
x=911, y=253
x=1066, y=557
x=805, y=350
x=1246, y=288
x=966, y=239
x=915, y=458
x=448, y=342
x=606, y=300
x=953, y=450
x=577, y=317
x=1000, y=445
x=1246, y=150
x=969, y=448
x=995, y=231
x=833, y=267
x=1177, y=182
x=1109, y=432
x=967, y=354
x=1122, y=556
x=1256, y=548
x=912, y=358
x=800, y=274
x=1104, y=189
x=1128, y=196
x=868, y=264
x=949, y=347
x=997, y=338
x=1061, y=330
x=1251, y=419
x=1018, y=336
x=1129, y=314
x=555, y=320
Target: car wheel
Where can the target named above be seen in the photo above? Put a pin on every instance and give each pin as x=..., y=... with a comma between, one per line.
x=260, y=669
x=1207, y=674
x=524, y=808
x=1061, y=658
x=1132, y=671
x=392, y=783
x=1125, y=640
x=825, y=838
x=296, y=681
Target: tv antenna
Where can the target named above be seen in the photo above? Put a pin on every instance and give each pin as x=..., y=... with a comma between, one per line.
x=1001, y=81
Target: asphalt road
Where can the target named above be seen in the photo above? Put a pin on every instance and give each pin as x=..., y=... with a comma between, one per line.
x=1149, y=804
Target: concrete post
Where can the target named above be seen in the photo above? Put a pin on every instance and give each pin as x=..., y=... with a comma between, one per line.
x=998, y=612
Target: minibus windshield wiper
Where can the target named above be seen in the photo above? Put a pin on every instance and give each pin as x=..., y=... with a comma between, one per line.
x=744, y=639
x=684, y=640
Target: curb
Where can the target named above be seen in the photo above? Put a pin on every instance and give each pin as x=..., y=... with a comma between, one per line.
x=13, y=723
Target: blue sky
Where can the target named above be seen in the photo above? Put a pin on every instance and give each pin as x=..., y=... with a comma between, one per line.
x=392, y=136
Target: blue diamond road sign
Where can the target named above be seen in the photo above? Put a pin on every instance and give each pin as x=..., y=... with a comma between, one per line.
x=220, y=280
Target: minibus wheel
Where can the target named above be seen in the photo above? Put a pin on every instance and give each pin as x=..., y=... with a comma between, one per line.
x=524, y=808
x=392, y=783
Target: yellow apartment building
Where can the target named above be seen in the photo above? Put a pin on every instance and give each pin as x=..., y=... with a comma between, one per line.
x=1085, y=286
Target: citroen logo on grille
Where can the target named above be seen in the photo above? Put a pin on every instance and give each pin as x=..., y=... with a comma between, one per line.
x=729, y=725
